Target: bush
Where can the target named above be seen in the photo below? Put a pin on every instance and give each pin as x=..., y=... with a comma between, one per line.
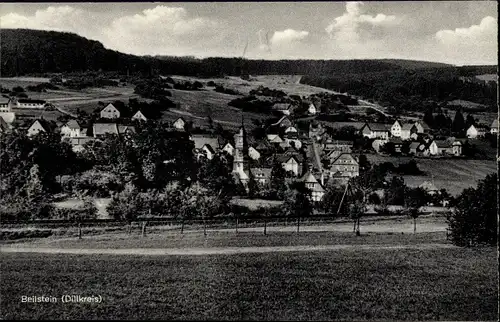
x=474, y=221
x=36, y=233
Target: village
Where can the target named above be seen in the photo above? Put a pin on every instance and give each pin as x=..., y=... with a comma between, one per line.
x=305, y=149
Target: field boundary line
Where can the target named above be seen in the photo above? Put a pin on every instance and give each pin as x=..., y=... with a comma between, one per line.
x=215, y=250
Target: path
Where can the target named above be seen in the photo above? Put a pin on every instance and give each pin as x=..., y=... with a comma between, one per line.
x=317, y=157
x=213, y=250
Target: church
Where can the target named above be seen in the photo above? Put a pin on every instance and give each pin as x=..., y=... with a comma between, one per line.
x=241, y=170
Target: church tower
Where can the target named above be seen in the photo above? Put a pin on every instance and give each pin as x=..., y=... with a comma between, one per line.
x=240, y=163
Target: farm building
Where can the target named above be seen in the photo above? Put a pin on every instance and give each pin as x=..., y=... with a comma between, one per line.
x=422, y=127
x=101, y=129
x=29, y=103
x=291, y=163
x=5, y=104
x=445, y=147
x=476, y=131
x=376, y=131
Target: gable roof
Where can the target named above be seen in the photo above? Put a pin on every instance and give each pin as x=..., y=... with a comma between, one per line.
x=310, y=178
x=344, y=156
x=125, y=128
x=414, y=145
x=281, y=106
x=379, y=127
x=495, y=123
x=200, y=140
x=407, y=127
x=442, y=143
x=396, y=140
x=48, y=126
x=8, y=117
x=283, y=158
x=261, y=172
x=72, y=124
x=424, y=125
x=103, y=128
x=3, y=125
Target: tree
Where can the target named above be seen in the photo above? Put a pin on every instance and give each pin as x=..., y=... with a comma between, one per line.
x=364, y=164
x=458, y=125
x=125, y=205
x=356, y=211
x=396, y=191
x=474, y=220
x=469, y=121
x=414, y=198
x=297, y=201
x=278, y=175
x=429, y=118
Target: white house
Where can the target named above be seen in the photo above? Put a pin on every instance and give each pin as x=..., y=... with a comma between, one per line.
x=409, y=132
x=317, y=190
x=179, y=124
x=229, y=148
x=291, y=163
x=5, y=104
x=253, y=153
x=205, y=145
x=312, y=109
x=274, y=138
x=422, y=127
x=139, y=116
x=396, y=129
x=40, y=125
x=71, y=129
x=8, y=117
x=475, y=131
x=494, y=127
x=110, y=112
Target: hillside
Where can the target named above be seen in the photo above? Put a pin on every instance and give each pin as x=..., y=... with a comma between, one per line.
x=30, y=52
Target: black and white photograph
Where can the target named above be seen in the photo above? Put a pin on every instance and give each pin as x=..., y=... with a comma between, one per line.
x=273, y=161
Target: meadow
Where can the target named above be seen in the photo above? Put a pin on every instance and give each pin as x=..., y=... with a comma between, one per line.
x=349, y=284
x=454, y=175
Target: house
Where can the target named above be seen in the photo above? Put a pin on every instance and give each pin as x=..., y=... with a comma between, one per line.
x=274, y=138
x=5, y=104
x=337, y=145
x=229, y=148
x=139, y=116
x=422, y=127
x=101, y=129
x=29, y=103
x=71, y=129
x=414, y=147
x=253, y=153
x=376, y=130
x=475, y=131
x=110, y=112
x=345, y=166
x=126, y=129
x=261, y=175
x=494, y=127
x=205, y=145
x=312, y=109
x=4, y=127
x=292, y=138
x=284, y=108
x=316, y=130
x=429, y=187
x=440, y=147
x=396, y=129
x=41, y=125
x=397, y=143
x=316, y=188
x=291, y=129
x=8, y=117
x=408, y=132
x=78, y=143
x=457, y=148
x=180, y=124
x=282, y=122
x=291, y=163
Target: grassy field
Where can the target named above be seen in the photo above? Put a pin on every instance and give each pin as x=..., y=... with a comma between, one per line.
x=406, y=284
x=453, y=175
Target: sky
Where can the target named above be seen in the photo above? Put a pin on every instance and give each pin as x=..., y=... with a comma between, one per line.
x=455, y=32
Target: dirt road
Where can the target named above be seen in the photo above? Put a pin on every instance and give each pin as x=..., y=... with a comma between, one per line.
x=212, y=251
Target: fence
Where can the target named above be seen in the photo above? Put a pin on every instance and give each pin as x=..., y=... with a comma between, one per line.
x=145, y=225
